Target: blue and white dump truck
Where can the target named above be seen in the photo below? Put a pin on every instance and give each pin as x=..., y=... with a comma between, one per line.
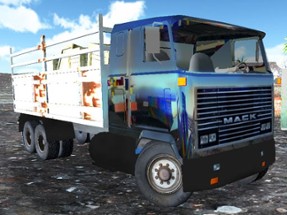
x=184, y=104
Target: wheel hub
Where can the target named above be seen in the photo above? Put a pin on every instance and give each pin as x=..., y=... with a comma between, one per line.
x=28, y=138
x=164, y=175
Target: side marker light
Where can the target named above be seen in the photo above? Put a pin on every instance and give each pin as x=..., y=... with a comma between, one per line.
x=181, y=81
x=214, y=181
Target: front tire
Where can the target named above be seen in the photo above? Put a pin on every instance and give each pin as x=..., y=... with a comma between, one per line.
x=159, y=176
x=45, y=150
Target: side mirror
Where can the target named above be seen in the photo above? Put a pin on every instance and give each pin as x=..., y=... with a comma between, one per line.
x=152, y=40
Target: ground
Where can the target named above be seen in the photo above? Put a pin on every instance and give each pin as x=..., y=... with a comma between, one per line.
x=74, y=185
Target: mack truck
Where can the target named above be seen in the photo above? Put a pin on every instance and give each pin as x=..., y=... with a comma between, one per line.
x=182, y=103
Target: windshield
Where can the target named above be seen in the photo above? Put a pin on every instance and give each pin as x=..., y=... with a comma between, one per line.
x=234, y=55
x=229, y=49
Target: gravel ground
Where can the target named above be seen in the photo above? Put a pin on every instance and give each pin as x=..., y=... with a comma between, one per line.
x=74, y=185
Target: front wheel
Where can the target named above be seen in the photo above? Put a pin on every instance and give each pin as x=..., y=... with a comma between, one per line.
x=158, y=175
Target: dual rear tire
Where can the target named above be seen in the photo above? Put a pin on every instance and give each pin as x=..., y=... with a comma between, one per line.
x=28, y=136
x=65, y=148
x=35, y=140
x=81, y=137
x=45, y=149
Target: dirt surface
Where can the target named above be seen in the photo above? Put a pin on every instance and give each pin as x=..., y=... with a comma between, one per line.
x=5, y=89
x=74, y=185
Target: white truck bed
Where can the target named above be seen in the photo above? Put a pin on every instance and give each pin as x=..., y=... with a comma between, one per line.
x=72, y=92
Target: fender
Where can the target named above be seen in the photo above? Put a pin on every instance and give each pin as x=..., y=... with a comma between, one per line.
x=146, y=137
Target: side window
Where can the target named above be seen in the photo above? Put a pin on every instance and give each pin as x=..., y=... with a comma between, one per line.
x=156, y=44
x=121, y=44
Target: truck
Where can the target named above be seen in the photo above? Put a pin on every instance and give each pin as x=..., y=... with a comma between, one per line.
x=182, y=103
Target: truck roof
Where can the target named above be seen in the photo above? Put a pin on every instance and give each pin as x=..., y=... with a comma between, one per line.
x=200, y=27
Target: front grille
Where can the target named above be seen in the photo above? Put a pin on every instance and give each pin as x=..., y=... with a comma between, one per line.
x=233, y=113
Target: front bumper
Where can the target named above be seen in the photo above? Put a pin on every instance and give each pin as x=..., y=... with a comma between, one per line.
x=225, y=167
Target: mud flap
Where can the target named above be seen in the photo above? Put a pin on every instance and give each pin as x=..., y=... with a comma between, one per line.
x=226, y=167
x=114, y=152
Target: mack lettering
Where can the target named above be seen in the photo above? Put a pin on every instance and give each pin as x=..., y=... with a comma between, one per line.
x=242, y=118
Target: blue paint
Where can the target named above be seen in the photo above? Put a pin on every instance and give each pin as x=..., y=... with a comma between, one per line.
x=138, y=150
x=176, y=19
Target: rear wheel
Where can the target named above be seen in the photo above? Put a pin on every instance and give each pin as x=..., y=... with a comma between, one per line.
x=45, y=150
x=158, y=175
x=81, y=137
x=28, y=136
x=66, y=148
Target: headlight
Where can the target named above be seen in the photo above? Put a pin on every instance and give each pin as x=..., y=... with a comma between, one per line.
x=212, y=137
x=203, y=139
x=265, y=126
x=208, y=138
x=268, y=126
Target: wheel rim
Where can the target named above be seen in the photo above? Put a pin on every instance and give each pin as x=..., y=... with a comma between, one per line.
x=164, y=174
x=41, y=143
x=28, y=138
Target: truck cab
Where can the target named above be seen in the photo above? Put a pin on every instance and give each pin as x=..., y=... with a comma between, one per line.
x=203, y=85
x=183, y=103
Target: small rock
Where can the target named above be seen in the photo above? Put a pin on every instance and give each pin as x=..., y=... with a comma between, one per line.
x=281, y=210
x=197, y=205
x=228, y=210
x=92, y=206
x=71, y=189
x=61, y=176
x=79, y=167
x=29, y=183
